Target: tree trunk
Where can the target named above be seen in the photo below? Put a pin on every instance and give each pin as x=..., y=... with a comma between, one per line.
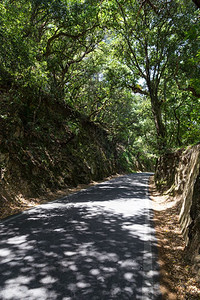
x=160, y=128
x=156, y=109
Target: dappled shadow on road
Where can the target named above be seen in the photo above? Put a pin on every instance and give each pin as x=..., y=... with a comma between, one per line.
x=82, y=250
x=124, y=187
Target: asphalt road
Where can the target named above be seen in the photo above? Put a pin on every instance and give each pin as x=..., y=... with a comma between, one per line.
x=97, y=244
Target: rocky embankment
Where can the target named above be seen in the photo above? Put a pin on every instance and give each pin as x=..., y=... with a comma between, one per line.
x=178, y=174
x=49, y=147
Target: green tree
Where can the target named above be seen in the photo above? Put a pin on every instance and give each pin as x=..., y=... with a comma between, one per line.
x=150, y=34
x=94, y=56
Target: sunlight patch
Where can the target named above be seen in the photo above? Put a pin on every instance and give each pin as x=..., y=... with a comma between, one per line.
x=73, y=268
x=128, y=263
x=128, y=290
x=109, y=269
x=17, y=240
x=22, y=292
x=69, y=253
x=18, y=280
x=82, y=285
x=128, y=276
x=48, y=279
x=94, y=272
x=140, y=231
x=59, y=230
x=5, y=252
x=17, y=287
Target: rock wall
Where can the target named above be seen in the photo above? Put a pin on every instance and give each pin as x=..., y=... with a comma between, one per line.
x=49, y=148
x=179, y=174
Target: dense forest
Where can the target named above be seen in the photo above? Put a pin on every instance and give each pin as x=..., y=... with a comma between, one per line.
x=89, y=88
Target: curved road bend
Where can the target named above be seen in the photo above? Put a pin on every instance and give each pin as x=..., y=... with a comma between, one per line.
x=97, y=244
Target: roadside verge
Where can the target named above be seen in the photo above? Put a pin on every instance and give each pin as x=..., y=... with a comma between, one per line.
x=178, y=280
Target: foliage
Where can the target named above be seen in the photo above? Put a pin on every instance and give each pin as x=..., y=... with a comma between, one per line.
x=152, y=40
x=129, y=67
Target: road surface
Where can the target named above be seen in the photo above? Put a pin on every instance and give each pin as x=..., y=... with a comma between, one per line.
x=96, y=244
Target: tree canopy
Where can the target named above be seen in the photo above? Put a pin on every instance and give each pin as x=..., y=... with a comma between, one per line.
x=130, y=66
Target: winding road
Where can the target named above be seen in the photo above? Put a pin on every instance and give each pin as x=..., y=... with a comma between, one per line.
x=96, y=244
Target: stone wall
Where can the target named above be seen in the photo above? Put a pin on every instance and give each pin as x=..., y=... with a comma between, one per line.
x=179, y=174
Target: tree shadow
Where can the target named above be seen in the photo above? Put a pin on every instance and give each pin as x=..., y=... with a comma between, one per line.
x=124, y=187
x=82, y=250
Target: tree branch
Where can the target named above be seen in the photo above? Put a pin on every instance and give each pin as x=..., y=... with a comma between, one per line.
x=151, y=4
x=88, y=50
x=64, y=34
x=188, y=89
x=137, y=89
x=135, y=61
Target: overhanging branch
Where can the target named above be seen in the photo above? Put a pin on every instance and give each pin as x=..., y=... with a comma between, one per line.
x=188, y=89
x=58, y=34
x=137, y=89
